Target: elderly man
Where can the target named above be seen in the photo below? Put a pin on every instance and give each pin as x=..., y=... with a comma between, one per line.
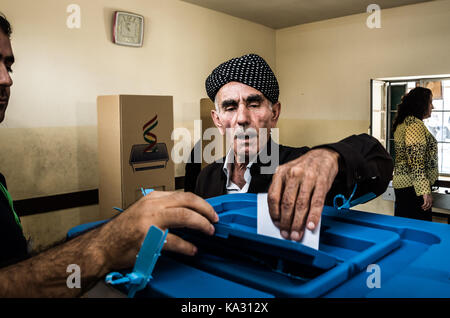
x=111, y=247
x=245, y=92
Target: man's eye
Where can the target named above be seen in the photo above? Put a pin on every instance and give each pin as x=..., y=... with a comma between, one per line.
x=230, y=108
x=253, y=105
x=9, y=69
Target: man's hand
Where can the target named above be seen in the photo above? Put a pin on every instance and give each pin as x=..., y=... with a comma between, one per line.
x=113, y=246
x=121, y=238
x=298, y=190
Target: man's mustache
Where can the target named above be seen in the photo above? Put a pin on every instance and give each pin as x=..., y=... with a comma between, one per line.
x=242, y=133
x=3, y=93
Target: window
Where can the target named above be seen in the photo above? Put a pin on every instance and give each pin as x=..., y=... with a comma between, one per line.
x=386, y=95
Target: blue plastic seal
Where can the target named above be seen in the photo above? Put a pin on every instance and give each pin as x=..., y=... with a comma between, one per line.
x=146, y=191
x=347, y=204
x=145, y=263
x=118, y=209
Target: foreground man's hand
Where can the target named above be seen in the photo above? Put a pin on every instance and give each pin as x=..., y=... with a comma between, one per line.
x=111, y=247
x=123, y=236
x=297, y=194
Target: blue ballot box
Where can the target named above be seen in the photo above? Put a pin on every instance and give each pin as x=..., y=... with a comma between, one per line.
x=360, y=255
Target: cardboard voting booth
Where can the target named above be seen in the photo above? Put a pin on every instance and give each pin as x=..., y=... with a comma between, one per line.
x=134, y=147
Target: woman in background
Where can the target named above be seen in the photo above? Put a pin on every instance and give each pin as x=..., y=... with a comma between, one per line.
x=416, y=162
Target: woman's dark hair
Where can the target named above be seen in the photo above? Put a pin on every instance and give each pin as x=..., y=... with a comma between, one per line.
x=5, y=26
x=415, y=103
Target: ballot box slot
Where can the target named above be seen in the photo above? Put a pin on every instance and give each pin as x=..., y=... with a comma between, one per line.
x=150, y=168
x=235, y=250
x=205, y=261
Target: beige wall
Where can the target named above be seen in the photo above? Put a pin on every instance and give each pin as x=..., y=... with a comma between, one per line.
x=46, y=229
x=324, y=68
x=50, y=134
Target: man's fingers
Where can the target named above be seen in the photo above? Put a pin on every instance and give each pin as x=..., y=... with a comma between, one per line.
x=301, y=209
x=313, y=173
x=178, y=245
x=183, y=217
x=317, y=202
x=274, y=195
x=287, y=205
x=193, y=202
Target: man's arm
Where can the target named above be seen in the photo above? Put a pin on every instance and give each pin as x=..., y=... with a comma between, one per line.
x=111, y=247
x=301, y=187
x=45, y=275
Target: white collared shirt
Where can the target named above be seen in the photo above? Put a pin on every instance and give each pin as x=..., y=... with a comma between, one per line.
x=227, y=169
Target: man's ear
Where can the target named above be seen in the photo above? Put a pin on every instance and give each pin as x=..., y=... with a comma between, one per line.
x=276, y=108
x=216, y=119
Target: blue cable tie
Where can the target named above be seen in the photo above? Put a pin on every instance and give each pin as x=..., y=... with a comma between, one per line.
x=146, y=191
x=347, y=204
x=117, y=209
x=363, y=199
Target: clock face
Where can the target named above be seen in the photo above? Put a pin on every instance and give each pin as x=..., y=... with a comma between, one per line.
x=129, y=29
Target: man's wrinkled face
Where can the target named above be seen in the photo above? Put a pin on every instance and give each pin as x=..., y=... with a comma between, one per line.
x=245, y=116
x=6, y=61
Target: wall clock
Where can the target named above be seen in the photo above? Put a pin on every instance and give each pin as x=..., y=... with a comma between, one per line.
x=128, y=29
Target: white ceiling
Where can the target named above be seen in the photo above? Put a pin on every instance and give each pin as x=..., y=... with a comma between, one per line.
x=284, y=13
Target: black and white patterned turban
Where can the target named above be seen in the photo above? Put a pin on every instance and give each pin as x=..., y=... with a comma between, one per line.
x=251, y=70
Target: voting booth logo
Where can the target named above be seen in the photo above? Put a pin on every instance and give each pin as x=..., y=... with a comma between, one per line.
x=150, y=137
x=151, y=155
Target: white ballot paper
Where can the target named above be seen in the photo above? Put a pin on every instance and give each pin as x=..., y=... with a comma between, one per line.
x=266, y=227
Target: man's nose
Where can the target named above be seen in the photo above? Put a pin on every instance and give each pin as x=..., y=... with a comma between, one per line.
x=5, y=78
x=243, y=115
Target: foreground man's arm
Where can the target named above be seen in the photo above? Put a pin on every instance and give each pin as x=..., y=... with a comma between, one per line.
x=301, y=187
x=111, y=247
